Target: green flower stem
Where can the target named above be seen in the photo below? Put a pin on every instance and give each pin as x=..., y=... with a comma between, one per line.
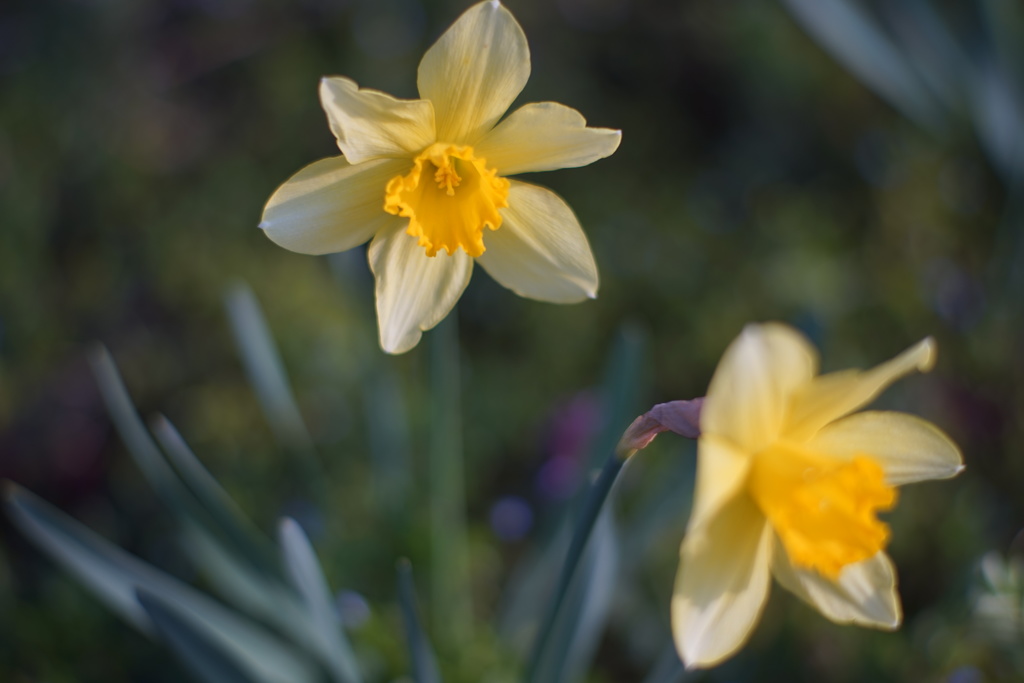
x=592, y=505
x=451, y=600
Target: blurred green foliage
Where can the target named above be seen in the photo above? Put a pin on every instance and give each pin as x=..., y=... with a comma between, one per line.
x=756, y=180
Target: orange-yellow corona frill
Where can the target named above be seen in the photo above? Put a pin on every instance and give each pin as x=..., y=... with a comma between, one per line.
x=426, y=181
x=790, y=482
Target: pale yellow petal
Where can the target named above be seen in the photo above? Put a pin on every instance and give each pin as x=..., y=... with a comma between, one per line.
x=474, y=72
x=414, y=291
x=544, y=136
x=753, y=383
x=370, y=124
x=721, y=473
x=908, y=448
x=330, y=205
x=830, y=397
x=865, y=593
x=722, y=584
x=540, y=250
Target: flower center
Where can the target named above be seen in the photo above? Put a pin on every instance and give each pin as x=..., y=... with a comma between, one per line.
x=823, y=510
x=448, y=197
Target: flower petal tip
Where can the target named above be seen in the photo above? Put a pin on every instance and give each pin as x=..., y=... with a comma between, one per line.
x=264, y=225
x=928, y=350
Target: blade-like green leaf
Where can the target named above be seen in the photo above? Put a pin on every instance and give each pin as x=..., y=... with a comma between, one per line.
x=665, y=507
x=231, y=523
x=620, y=398
x=114, y=575
x=424, y=664
x=135, y=436
x=931, y=50
x=267, y=598
x=853, y=38
x=253, y=591
x=270, y=381
x=307, y=577
x=581, y=620
x=998, y=109
x=264, y=367
x=203, y=657
x=624, y=378
x=668, y=668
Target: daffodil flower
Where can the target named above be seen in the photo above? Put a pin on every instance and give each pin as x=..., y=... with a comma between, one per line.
x=422, y=179
x=789, y=484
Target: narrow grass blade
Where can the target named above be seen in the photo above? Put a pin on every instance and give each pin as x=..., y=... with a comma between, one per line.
x=226, y=516
x=620, y=395
x=621, y=387
x=306, y=576
x=667, y=506
x=424, y=664
x=540, y=667
x=114, y=576
x=264, y=367
x=274, y=602
x=449, y=548
x=931, y=50
x=853, y=38
x=136, y=437
x=998, y=109
x=668, y=668
x=207, y=661
x=270, y=381
x=581, y=620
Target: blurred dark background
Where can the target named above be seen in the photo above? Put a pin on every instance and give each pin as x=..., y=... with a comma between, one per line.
x=758, y=179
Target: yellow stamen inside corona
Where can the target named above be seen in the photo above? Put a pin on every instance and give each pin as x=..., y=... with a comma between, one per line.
x=823, y=510
x=451, y=211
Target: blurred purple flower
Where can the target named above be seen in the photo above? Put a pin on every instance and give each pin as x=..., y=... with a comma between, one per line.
x=353, y=609
x=511, y=518
x=571, y=430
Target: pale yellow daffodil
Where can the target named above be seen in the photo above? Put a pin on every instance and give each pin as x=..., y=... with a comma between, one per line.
x=423, y=179
x=789, y=484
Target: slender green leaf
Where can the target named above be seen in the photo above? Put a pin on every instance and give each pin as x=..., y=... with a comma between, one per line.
x=114, y=575
x=853, y=38
x=269, y=599
x=136, y=437
x=667, y=506
x=307, y=577
x=624, y=378
x=581, y=620
x=245, y=586
x=202, y=656
x=999, y=118
x=561, y=622
x=620, y=395
x=265, y=370
x=669, y=668
x=931, y=50
x=225, y=515
x=424, y=664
